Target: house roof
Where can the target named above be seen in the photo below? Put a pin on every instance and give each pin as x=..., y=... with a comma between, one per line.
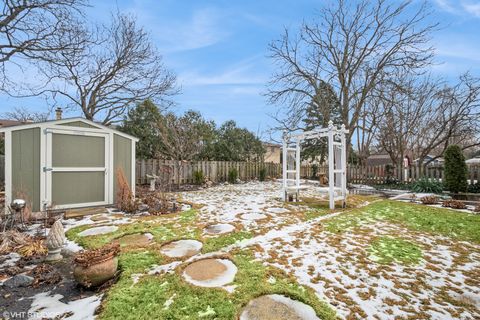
x=9, y=123
x=379, y=159
x=473, y=161
x=62, y=121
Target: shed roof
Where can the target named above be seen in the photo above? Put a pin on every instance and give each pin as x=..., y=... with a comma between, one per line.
x=50, y=123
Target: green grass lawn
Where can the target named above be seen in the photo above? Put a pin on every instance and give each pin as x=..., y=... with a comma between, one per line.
x=439, y=221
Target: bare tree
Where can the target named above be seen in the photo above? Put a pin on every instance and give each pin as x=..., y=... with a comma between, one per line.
x=112, y=69
x=425, y=116
x=408, y=105
x=24, y=115
x=181, y=137
x=30, y=29
x=454, y=119
x=352, y=46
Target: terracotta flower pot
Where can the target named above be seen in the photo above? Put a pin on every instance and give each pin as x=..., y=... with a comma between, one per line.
x=96, y=274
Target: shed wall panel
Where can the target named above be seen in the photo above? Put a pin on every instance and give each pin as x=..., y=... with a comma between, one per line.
x=26, y=166
x=122, y=158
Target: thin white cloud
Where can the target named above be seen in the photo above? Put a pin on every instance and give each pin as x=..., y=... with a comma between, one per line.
x=202, y=28
x=244, y=72
x=472, y=8
x=462, y=7
x=446, y=6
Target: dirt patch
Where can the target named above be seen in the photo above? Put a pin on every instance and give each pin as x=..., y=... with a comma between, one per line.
x=277, y=307
x=210, y=272
x=181, y=248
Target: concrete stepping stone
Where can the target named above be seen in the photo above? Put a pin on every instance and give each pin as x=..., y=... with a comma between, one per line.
x=277, y=210
x=134, y=240
x=277, y=307
x=219, y=228
x=210, y=273
x=253, y=216
x=97, y=231
x=181, y=248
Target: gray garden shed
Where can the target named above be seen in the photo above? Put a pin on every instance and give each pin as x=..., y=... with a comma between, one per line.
x=67, y=163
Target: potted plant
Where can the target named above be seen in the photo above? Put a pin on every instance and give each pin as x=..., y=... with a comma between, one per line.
x=94, y=267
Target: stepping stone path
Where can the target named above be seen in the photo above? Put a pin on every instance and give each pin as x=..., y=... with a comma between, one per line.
x=253, y=216
x=210, y=273
x=138, y=239
x=98, y=230
x=181, y=248
x=277, y=307
x=219, y=228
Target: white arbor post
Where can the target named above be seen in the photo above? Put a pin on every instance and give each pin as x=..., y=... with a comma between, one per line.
x=284, y=165
x=298, y=166
x=331, y=167
x=344, y=165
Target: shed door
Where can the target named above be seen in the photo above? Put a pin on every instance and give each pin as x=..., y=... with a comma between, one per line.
x=77, y=168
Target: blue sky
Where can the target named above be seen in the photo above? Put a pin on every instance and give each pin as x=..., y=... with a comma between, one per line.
x=218, y=49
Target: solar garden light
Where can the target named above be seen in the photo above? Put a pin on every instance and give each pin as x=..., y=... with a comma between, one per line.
x=18, y=205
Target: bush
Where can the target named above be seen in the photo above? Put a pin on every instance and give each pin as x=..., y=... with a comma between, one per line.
x=455, y=204
x=455, y=170
x=474, y=188
x=314, y=171
x=262, y=174
x=232, y=175
x=429, y=200
x=198, y=177
x=427, y=185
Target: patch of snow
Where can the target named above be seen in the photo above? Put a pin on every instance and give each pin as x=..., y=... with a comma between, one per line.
x=98, y=230
x=167, y=303
x=45, y=305
x=253, y=216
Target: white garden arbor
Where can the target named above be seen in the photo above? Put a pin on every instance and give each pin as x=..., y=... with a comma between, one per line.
x=337, y=162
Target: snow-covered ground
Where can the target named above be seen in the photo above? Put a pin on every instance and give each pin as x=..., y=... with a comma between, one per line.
x=445, y=285
x=338, y=266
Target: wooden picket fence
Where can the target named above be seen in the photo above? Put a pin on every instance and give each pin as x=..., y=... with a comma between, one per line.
x=182, y=172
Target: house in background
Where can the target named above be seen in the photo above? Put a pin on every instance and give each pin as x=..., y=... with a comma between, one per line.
x=438, y=161
x=473, y=162
x=273, y=152
x=379, y=159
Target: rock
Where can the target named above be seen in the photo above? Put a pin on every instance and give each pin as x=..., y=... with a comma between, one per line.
x=208, y=184
x=20, y=280
x=143, y=207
